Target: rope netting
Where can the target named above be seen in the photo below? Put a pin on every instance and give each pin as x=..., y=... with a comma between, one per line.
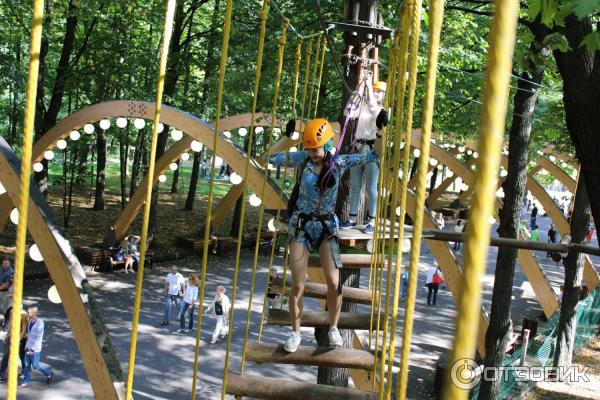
x=540, y=350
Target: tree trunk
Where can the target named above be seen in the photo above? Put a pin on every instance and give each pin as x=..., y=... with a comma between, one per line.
x=580, y=220
x=137, y=160
x=123, y=167
x=510, y=216
x=580, y=71
x=62, y=71
x=67, y=210
x=175, y=177
x=14, y=112
x=209, y=68
x=99, y=203
x=235, y=222
x=433, y=180
x=191, y=196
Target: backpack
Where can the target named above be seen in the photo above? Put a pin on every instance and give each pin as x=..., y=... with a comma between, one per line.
x=293, y=201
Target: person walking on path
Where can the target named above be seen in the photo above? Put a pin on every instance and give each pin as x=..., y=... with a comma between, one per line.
x=534, y=213
x=552, y=237
x=458, y=228
x=174, y=287
x=33, y=347
x=6, y=280
x=535, y=234
x=22, y=342
x=433, y=279
x=219, y=308
x=404, y=285
x=190, y=299
x=439, y=221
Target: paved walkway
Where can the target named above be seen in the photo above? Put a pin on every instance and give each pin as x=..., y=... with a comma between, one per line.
x=165, y=358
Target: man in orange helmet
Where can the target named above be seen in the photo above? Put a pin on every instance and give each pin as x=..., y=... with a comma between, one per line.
x=364, y=138
x=313, y=224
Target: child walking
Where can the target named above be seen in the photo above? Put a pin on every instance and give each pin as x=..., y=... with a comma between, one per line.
x=313, y=224
x=190, y=299
x=219, y=308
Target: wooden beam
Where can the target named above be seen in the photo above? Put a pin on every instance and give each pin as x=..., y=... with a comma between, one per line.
x=313, y=319
x=310, y=355
x=282, y=389
x=539, y=283
x=68, y=276
x=558, y=173
x=226, y=205
x=319, y=291
x=348, y=260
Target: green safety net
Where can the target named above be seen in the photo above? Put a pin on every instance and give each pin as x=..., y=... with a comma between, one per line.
x=540, y=350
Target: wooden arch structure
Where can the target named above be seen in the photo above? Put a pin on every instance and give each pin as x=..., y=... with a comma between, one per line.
x=96, y=351
x=548, y=301
x=193, y=127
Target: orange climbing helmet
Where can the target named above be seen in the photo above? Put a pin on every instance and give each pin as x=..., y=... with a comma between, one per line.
x=317, y=132
x=380, y=85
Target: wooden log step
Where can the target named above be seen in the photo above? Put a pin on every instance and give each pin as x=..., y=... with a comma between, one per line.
x=319, y=291
x=348, y=260
x=282, y=389
x=313, y=319
x=310, y=355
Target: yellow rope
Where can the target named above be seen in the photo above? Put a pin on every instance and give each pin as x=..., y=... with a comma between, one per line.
x=222, y=68
x=436, y=12
x=261, y=211
x=32, y=80
x=323, y=52
x=400, y=51
x=491, y=129
x=314, y=75
x=263, y=14
x=379, y=238
x=306, y=75
x=274, y=242
x=167, y=30
x=412, y=23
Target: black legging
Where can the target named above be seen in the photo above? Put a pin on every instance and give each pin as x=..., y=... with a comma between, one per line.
x=4, y=364
x=433, y=289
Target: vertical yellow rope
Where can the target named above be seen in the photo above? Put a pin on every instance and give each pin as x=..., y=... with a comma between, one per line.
x=401, y=52
x=379, y=237
x=167, y=30
x=314, y=75
x=491, y=129
x=32, y=80
x=413, y=23
x=306, y=76
x=323, y=52
x=436, y=12
x=274, y=243
x=222, y=68
x=261, y=211
x=263, y=14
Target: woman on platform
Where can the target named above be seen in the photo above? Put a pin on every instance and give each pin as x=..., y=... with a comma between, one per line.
x=313, y=224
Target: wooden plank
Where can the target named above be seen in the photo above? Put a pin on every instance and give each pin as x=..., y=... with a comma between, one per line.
x=225, y=206
x=310, y=355
x=68, y=276
x=282, y=389
x=313, y=319
x=540, y=284
x=319, y=291
x=348, y=260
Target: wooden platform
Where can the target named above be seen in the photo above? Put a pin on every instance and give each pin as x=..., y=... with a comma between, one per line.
x=310, y=355
x=319, y=291
x=313, y=319
x=282, y=389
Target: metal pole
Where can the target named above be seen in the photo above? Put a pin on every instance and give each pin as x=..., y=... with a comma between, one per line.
x=524, y=347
